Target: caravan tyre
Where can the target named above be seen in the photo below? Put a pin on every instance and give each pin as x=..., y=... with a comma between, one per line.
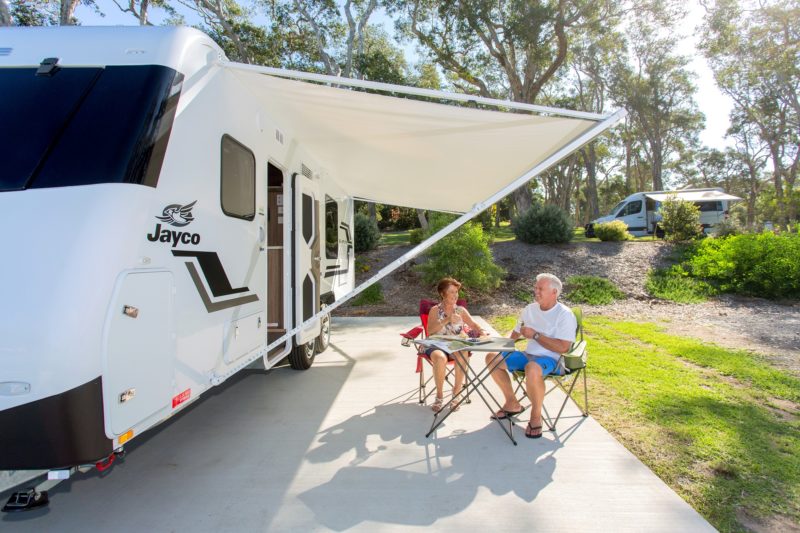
x=302, y=357
x=321, y=343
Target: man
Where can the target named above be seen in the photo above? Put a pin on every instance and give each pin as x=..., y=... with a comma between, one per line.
x=550, y=328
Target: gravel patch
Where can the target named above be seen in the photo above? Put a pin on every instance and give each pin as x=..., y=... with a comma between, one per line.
x=753, y=324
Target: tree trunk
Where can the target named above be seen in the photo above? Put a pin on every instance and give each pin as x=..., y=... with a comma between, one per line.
x=67, y=11
x=777, y=179
x=143, y=12
x=592, y=203
x=522, y=199
x=423, y=221
x=5, y=14
x=373, y=214
x=658, y=163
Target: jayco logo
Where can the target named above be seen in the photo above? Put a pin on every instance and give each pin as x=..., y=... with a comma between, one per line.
x=179, y=216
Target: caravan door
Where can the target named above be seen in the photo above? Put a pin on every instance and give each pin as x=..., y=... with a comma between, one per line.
x=307, y=255
x=633, y=214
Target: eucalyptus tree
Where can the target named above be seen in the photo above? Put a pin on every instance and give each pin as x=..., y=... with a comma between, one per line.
x=658, y=90
x=5, y=13
x=510, y=49
x=45, y=12
x=754, y=50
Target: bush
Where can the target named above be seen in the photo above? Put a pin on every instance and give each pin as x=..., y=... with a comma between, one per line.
x=761, y=264
x=415, y=236
x=371, y=295
x=727, y=227
x=544, y=224
x=616, y=230
x=675, y=284
x=680, y=219
x=592, y=290
x=463, y=255
x=366, y=233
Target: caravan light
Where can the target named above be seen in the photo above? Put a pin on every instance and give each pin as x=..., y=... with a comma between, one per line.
x=125, y=437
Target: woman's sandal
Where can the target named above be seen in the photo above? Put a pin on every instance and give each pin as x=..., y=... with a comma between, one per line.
x=455, y=402
x=531, y=431
x=436, y=406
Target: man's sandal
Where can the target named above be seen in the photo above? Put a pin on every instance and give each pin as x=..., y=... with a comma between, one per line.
x=436, y=406
x=533, y=432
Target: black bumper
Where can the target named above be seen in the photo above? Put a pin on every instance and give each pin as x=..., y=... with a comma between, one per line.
x=58, y=431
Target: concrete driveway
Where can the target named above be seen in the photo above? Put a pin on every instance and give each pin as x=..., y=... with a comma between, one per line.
x=342, y=447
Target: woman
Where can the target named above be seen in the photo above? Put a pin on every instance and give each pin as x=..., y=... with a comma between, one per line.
x=448, y=318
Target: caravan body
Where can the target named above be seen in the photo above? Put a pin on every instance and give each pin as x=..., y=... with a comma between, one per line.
x=160, y=228
x=172, y=217
x=640, y=211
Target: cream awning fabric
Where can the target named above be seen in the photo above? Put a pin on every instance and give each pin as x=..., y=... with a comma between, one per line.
x=409, y=152
x=710, y=195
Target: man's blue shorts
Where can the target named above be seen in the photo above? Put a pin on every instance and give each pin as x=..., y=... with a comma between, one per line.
x=517, y=361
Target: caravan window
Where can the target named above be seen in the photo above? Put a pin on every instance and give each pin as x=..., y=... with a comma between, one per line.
x=331, y=228
x=85, y=125
x=633, y=208
x=238, y=179
x=706, y=207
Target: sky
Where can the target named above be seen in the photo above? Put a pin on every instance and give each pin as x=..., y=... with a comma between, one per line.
x=715, y=105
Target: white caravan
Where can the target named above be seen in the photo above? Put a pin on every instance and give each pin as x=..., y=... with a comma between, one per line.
x=640, y=211
x=171, y=218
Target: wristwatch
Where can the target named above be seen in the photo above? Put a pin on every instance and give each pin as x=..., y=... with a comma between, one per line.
x=536, y=336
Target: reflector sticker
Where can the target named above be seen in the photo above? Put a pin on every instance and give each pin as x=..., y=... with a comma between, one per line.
x=125, y=437
x=180, y=398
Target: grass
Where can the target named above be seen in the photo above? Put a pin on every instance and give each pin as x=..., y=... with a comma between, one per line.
x=395, y=238
x=592, y=290
x=674, y=284
x=719, y=426
x=371, y=295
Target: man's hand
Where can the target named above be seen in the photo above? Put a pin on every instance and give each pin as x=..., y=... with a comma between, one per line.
x=527, y=332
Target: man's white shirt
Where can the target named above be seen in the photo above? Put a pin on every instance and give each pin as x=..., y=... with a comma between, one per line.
x=558, y=322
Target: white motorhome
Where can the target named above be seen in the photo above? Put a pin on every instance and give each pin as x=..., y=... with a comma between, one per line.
x=171, y=218
x=640, y=211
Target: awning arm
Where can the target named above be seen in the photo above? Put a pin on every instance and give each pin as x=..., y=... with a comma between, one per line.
x=417, y=91
x=478, y=208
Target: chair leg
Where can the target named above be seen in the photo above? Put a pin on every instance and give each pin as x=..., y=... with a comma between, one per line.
x=585, y=395
x=422, y=394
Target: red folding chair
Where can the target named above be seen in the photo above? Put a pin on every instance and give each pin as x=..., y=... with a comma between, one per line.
x=421, y=332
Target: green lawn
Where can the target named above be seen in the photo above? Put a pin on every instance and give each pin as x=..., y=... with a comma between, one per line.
x=719, y=426
x=394, y=238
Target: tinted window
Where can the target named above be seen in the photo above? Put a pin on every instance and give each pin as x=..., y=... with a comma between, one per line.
x=632, y=208
x=82, y=126
x=238, y=179
x=706, y=207
x=331, y=228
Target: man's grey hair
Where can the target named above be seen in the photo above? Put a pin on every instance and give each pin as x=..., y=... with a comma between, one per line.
x=553, y=280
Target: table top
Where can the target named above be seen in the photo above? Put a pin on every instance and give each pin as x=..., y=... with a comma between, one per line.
x=482, y=344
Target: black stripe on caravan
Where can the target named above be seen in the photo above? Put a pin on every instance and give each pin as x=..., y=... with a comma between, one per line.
x=63, y=430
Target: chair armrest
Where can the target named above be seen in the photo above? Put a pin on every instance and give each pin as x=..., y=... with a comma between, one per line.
x=575, y=357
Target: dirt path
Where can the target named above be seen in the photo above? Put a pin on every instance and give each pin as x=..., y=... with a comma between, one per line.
x=754, y=324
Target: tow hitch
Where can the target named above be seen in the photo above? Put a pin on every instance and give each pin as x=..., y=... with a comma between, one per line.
x=33, y=497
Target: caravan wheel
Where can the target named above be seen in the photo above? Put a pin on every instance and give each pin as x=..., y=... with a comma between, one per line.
x=324, y=339
x=302, y=357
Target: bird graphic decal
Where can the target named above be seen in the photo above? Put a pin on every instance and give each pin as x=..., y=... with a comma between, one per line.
x=177, y=215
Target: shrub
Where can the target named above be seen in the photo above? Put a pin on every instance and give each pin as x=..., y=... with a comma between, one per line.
x=463, y=255
x=544, y=224
x=675, y=284
x=727, y=227
x=592, y=290
x=680, y=219
x=761, y=264
x=371, y=295
x=616, y=230
x=415, y=236
x=366, y=233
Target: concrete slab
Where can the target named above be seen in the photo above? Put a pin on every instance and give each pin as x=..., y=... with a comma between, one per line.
x=342, y=447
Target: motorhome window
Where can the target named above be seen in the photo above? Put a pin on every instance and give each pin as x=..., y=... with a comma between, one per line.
x=632, y=208
x=238, y=179
x=84, y=126
x=706, y=207
x=617, y=207
x=331, y=228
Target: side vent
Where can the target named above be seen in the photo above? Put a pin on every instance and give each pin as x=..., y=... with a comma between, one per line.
x=5, y=51
x=306, y=171
x=279, y=136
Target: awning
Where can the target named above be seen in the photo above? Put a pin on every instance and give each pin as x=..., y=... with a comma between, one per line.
x=704, y=195
x=406, y=152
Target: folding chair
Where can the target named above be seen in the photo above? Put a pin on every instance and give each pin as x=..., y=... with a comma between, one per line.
x=421, y=332
x=574, y=364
